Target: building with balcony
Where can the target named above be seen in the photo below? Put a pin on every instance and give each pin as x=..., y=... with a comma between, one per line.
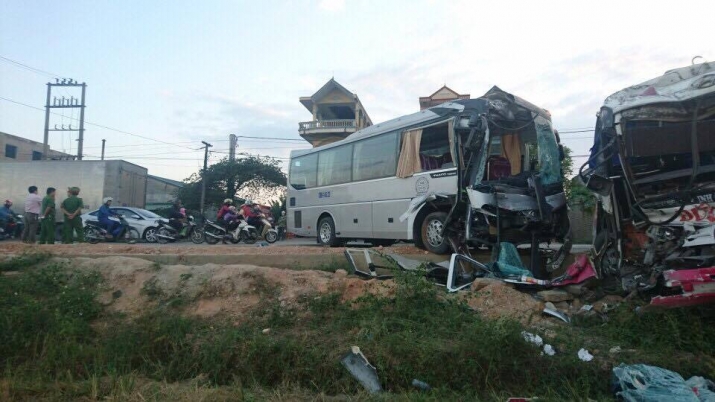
x=336, y=112
x=444, y=94
x=18, y=149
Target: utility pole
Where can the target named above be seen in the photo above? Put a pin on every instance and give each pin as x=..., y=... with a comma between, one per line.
x=64, y=103
x=232, y=147
x=203, y=174
x=103, y=141
x=233, y=143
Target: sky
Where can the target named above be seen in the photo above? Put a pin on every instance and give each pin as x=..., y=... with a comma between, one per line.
x=162, y=76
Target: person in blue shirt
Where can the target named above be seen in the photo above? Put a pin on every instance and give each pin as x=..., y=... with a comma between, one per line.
x=113, y=227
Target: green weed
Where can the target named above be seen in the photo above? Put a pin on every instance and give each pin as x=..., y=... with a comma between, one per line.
x=25, y=260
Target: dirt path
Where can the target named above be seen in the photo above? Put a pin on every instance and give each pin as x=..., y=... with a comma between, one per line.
x=182, y=249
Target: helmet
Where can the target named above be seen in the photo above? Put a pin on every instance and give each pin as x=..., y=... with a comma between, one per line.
x=107, y=199
x=232, y=208
x=228, y=201
x=8, y=203
x=249, y=201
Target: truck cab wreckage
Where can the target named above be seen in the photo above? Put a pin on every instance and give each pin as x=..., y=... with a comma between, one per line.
x=652, y=169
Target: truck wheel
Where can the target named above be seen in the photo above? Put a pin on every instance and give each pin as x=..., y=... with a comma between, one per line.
x=431, y=233
x=326, y=232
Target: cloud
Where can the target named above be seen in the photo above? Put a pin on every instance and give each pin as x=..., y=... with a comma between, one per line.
x=332, y=5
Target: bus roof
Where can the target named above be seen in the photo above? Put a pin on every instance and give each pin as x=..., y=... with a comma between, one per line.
x=503, y=104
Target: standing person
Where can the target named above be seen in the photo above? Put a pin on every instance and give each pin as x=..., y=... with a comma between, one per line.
x=47, y=224
x=282, y=226
x=71, y=209
x=33, y=203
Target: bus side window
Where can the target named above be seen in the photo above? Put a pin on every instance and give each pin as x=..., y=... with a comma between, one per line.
x=303, y=171
x=375, y=157
x=434, y=148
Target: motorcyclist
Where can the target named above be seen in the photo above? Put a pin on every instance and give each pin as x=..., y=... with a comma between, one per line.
x=7, y=216
x=230, y=220
x=176, y=219
x=224, y=208
x=254, y=216
x=113, y=227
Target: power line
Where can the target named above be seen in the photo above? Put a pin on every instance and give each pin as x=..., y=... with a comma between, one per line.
x=98, y=125
x=30, y=68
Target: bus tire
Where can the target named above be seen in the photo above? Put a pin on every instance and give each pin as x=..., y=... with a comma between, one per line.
x=430, y=237
x=326, y=232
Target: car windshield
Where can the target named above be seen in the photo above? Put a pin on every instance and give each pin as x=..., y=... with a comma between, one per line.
x=148, y=214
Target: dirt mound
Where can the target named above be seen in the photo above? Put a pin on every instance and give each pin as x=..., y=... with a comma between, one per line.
x=133, y=285
x=497, y=299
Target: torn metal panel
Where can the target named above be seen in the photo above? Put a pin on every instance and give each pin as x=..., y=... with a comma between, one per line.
x=697, y=285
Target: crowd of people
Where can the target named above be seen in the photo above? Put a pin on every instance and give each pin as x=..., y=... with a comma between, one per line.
x=40, y=213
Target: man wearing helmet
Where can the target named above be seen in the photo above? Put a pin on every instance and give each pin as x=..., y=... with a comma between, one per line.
x=224, y=209
x=113, y=227
x=7, y=216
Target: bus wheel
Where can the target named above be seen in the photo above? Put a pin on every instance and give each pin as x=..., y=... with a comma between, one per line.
x=326, y=232
x=432, y=233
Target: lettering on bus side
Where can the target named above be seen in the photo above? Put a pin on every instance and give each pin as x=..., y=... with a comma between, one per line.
x=443, y=174
x=324, y=194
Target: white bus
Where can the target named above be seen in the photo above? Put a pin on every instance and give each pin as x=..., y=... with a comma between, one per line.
x=361, y=187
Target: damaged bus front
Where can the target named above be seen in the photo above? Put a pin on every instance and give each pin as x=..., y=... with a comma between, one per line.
x=652, y=168
x=510, y=189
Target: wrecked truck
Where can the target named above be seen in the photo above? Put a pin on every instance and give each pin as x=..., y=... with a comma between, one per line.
x=652, y=169
x=470, y=173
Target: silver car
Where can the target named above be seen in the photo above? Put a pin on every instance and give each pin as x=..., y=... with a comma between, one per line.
x=142, y=220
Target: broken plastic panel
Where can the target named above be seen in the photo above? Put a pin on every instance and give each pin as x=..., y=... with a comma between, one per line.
x=549, y=160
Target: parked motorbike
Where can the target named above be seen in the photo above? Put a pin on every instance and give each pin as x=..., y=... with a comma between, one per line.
x=95, y=232
x=249, y=234
x=166, y=233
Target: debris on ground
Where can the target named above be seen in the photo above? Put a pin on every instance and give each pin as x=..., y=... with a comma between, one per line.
x=555, y=313
x=532, y=338
x=549, y=350
x=421, y=385
x=356, y=363
x=584, y=355
x=641, y=382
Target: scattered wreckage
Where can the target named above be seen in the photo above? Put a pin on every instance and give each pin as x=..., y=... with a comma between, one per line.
x=652, y=168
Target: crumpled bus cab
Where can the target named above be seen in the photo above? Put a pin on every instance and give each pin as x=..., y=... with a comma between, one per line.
x=652, y=169
x=510, y=184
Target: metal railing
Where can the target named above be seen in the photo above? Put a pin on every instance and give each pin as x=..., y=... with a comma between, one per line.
x=308, y=125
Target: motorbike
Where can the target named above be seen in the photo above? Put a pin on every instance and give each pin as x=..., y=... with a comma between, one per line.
x=95, y=232
x=249, y=234
x=166, y=233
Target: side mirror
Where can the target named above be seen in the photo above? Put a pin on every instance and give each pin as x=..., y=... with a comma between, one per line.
x=600, y=185
x=136, y=217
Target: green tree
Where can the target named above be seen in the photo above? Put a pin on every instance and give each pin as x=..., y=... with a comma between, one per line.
x=246, y=176
x=576, y=192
